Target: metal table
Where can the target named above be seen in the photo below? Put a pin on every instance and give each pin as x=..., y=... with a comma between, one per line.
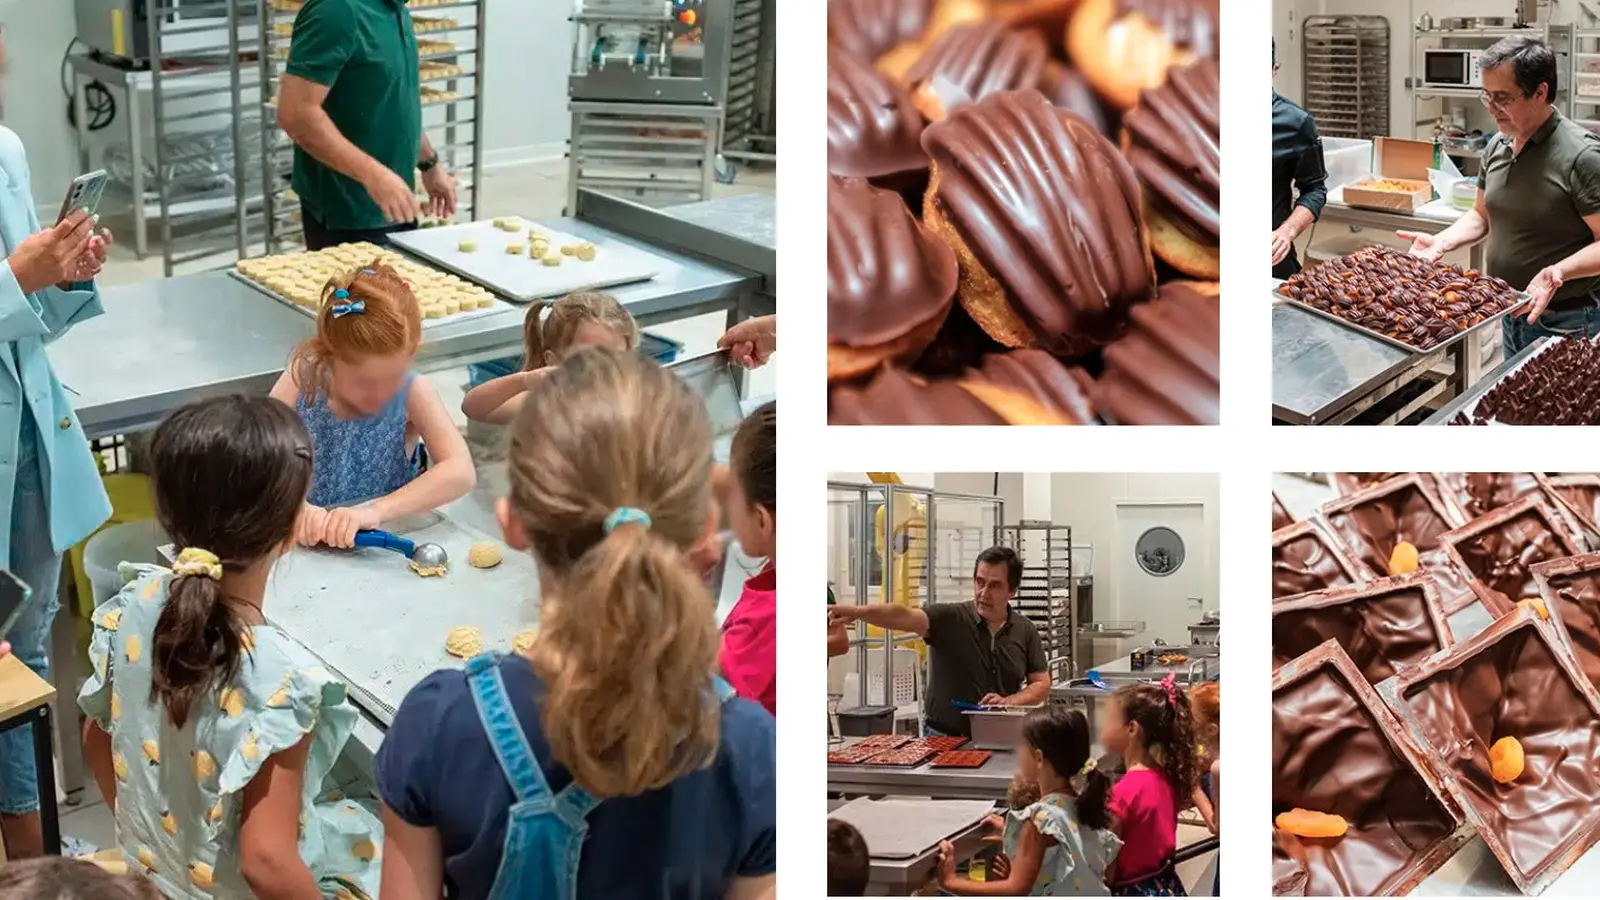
x=1430, y=218
x=987, y=782
x=1474, y=872
x=737, y=232
x=1475, y=393
x=1324, y=373
x=901, y=877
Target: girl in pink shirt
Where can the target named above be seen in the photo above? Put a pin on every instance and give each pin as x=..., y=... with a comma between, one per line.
x=749, y=655
x=1149, y=726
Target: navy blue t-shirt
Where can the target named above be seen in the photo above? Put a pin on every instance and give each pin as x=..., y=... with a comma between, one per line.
x=686, y=841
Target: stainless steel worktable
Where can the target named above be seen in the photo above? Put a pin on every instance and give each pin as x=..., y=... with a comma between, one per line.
x=1324, y=373
x=1476, y=392
x=987, y=782
x=738, y=232
x=163, y=343
x=901, y=877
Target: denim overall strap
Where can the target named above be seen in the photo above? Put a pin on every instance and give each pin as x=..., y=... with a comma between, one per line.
x=505, y=734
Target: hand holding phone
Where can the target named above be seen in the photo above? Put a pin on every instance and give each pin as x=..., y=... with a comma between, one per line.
x=54, y=255
x=84, y=193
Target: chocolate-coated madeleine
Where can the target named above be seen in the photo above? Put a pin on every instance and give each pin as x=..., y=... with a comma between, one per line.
x=1044, y=215
x=1031, y=387
x=890, y=282
x=1127, y=46
x=1166, y=371
x=890, y=35
x=1064, y=86
x=873, y=129
x=893, y=397
x=972, y=61
x=1171, y=140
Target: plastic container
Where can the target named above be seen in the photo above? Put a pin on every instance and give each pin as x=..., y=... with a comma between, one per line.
x=134, y=542
x=662, y=350
x=1346, y=159
x=1464, y=193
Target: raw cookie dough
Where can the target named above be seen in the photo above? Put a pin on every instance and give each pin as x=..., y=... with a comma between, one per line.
x=523, y=642
x=515, y=249
x=465, y=642
x=552, y=259
x=429, y=571
x=484, y=555
x=469, y=247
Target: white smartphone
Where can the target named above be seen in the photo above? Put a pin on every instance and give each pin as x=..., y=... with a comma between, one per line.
x=13, y=600
x=85, y=193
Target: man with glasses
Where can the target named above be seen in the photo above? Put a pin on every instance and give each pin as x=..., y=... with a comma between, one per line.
x=1297, y=165
x=1538, y=199
x=981, y=652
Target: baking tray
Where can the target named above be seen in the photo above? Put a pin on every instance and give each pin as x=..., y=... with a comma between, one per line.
x=494, y=308
x=960, y=759
x=519, y=277
x=1403, y=345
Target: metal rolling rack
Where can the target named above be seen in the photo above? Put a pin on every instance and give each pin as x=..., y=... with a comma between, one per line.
x=1046, y=595
x=1347, y=75
x=750, y=126
x=451, y=80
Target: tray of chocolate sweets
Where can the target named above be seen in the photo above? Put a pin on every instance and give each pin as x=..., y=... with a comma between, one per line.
x=1554, y=381
x=1403, y=300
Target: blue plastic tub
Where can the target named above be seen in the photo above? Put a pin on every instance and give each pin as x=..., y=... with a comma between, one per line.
x=661, y=349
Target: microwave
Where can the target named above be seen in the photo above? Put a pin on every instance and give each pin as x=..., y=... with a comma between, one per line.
x=1452, y=68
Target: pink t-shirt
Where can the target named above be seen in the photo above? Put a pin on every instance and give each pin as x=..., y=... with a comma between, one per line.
x=1143, y=800
x=749, y=655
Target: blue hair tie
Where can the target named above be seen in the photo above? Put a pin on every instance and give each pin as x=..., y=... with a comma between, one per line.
x=344, y=309
x=623, y=515
x=341, y=294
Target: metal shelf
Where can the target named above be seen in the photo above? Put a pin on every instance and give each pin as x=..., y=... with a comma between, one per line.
x=1046, y=597
x=1346, y=74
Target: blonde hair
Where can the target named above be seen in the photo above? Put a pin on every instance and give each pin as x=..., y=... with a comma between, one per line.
x=390, y=322
x=556, y=332
x=628, y=640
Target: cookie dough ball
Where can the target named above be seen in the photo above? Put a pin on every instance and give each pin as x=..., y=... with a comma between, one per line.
x=552, y=259
x=515, y=249
x=464, y=642
x=484, y=555
x=523, y=642
x=585, y=252
x=468, y=247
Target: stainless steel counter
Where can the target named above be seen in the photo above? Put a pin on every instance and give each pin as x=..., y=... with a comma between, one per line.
x=987, y=782
x=739, y=232
x=1484, y=384
x=901, y=877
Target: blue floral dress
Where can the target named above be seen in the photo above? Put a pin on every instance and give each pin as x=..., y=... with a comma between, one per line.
x=180, y=791
x=1075, y=858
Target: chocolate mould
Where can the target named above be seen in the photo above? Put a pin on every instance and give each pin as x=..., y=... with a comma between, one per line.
x=1384, y=627
x=1571, y=591
x=1496, y=571
x=1516, y=679
x=1368, y=523
x=1578, y=496
x=1304, y=559
x=1336, y=748
x=1468, y=495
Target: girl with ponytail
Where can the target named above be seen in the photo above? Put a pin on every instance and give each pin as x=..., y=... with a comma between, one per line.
x=209, y=732
x=613, y=733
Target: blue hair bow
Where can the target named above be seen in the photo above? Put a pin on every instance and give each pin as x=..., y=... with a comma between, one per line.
x=344, y=309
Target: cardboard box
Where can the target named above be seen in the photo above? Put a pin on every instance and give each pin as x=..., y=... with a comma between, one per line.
x=1396, y=160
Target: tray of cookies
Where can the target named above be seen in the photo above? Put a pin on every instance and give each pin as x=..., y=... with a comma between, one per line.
x=1412, y=303
x=524, y=261
x=297, y=279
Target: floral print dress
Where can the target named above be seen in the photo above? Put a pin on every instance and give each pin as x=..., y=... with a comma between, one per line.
x=180, y=791
x=1075, y=857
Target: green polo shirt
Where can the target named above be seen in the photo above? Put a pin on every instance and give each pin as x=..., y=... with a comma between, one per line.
x=1537, y=200
x=365, y=53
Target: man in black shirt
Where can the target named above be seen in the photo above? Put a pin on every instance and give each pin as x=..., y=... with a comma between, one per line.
x=980, y=652
x=1297, y=164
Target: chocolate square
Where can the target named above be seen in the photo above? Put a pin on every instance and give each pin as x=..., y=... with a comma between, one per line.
x=1337, y=749
x=1281, y=516
x=1571, y=591
x=1303, y=559
x=1469, y=495
x=1383, y=627
x=1369, y=523
x=1516, y=679
x=1497, y=550
x=1578, y=495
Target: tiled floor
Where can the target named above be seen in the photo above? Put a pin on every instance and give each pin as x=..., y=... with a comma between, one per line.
x=533, y=191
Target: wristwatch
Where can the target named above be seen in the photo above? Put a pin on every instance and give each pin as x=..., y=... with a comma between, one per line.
x=428, y=164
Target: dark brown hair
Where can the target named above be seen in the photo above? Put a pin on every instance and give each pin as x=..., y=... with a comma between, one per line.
x=754, y=456
x=849, y=865
x=60, y=878
x=1061, y=735
x=607, y=431
x=1002, y=556
x=230, y=476
x=557, y=331
x=389, y=323
x=1168, y=729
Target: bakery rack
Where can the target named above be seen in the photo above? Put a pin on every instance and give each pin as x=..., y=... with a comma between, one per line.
x=1346, y=75
x=450, y=47
x=750, y=123
x=1047, y=593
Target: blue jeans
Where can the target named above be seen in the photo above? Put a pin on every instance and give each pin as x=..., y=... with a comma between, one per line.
x=35, y=561
x=1517, y=334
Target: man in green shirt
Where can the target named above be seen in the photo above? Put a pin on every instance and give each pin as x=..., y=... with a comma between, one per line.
x=351, y=101
x=1538, y=199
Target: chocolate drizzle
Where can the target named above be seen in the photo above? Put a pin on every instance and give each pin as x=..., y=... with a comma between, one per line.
x=1049, y=209
x=886, y=273
x=893, y=398
x=1166, y=371
x=1173, y=146
x=873, y=129
x=1042, y=377
x=1191, y=24
x=984, y=58
x=867, y=29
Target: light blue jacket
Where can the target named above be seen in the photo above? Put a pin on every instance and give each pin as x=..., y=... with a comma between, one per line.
x=78, y=502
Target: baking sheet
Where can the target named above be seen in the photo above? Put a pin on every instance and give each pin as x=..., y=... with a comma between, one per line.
x=519, y=277
x=498, y=306
x=904, y=829
x=1403, y=345
x=1477, y=392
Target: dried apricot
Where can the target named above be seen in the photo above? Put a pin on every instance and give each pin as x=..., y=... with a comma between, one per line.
x=1505, y=760
x=1538, y=606
x=1403, y=561
x=1311, y=824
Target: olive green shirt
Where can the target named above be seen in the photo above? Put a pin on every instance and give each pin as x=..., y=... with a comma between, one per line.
x=966, y=660
x=365, y=53
x=1537, y=200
